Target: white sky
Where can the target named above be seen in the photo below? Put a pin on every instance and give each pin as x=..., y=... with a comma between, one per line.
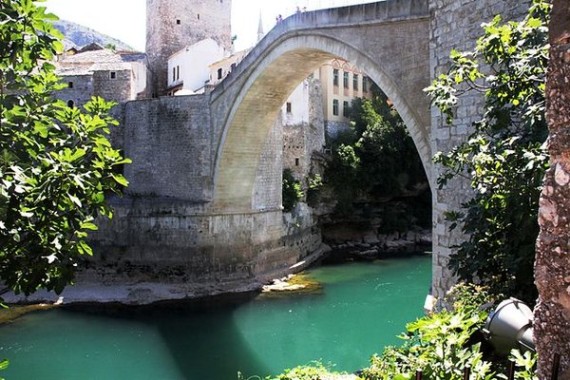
x=125, y=19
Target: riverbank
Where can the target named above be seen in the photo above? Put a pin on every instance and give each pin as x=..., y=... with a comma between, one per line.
x=134, y=292
x=12, y=313
x=366, y=246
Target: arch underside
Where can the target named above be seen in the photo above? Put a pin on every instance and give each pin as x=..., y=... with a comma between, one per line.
x=277, y=73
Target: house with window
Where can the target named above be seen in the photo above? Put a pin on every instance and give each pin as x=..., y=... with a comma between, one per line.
x=189, y=68
x=96, y=71
x=342, y=82
x=222, y=68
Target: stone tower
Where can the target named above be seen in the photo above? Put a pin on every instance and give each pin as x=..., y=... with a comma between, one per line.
x=174, y=24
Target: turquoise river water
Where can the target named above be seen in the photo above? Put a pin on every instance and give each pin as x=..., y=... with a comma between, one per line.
x=361, y=309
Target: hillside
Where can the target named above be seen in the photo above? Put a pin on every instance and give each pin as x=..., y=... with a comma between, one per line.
x=77, y=35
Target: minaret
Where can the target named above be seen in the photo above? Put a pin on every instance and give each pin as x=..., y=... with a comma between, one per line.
x=260, y=32
x=174, y=24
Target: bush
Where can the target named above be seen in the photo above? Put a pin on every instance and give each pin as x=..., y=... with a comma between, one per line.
x=291, y=192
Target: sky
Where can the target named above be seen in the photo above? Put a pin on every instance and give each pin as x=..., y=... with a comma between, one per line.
x=125, y=19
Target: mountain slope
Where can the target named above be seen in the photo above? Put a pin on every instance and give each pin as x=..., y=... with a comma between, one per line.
x=77, y=36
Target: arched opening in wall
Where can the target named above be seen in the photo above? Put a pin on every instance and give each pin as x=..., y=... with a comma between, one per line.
x=246, y=176
x=248, y=166
x=355, y=166
x=70, y=103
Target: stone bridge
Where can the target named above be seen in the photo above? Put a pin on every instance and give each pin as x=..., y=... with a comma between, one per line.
x=202, y=213
x=388, y=40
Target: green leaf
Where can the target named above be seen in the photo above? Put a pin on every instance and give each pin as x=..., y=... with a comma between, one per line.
x=120, y=179
x=89, y=226
x=84, y=248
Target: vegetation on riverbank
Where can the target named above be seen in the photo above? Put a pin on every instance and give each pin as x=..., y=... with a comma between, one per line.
x=441, y=345
x=375, y=165
x=504, y=158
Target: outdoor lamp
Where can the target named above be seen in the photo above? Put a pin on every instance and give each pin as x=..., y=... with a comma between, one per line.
x=510, y=326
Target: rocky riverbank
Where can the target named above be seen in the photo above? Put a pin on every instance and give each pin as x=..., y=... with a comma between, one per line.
x=139, y=292
x=350, y=244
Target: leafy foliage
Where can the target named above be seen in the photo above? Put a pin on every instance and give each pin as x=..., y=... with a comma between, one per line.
x=442, y=345
x=56, y=162
x=504, y=157
x=376, y=158
x=317, y=371
x=3, y=365
x=292, y=191
x=314, y=371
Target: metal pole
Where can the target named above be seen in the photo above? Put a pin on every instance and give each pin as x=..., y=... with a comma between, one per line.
x=511, y=374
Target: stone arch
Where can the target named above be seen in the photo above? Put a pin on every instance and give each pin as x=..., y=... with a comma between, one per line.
x=273, y=76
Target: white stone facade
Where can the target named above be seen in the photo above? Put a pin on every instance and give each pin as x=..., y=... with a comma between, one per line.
x=188, y=68
x=174, y=24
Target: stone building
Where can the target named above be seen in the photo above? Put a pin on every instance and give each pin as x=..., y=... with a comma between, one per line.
x=188, y=68
x=303, y=128
x=342, y=82
x=95, y=71
x=175, y=24
x=222, y=68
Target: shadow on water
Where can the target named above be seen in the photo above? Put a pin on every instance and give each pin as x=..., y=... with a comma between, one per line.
x=362, y=310
x=214, y=350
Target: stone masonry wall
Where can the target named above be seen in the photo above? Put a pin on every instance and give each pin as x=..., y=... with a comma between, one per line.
x=113, y=85
x=168, y=140
x=174, y=24
x=267, y=186
x=456, y=24
x=79, y=89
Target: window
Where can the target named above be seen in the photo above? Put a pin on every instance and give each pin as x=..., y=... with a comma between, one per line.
x=345, y=80
x=335, y=107
x=178, y=22
x=289, y=107
x=296, y=162
x=220, y=73
x=70, y=103
x=364, y=84
x=113, y=75
x=177, y=72
x=345, y=109
x=198, y=15
x=174, y=74
x=335, y=77
x=355, y=82
x=69, y=84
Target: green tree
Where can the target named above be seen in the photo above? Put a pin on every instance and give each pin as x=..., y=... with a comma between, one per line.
x=504, y=157
x=56, y=163
x=376, y=158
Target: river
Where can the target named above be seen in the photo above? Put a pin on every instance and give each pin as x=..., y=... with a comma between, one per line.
x=360, y=310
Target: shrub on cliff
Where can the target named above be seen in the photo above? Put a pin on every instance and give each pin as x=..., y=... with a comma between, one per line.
x=292, y=192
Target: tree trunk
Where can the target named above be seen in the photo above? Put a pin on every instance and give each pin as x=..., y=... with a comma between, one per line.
x=552, y=266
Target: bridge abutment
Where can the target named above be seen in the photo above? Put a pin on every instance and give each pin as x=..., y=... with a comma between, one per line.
x=456, y=25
